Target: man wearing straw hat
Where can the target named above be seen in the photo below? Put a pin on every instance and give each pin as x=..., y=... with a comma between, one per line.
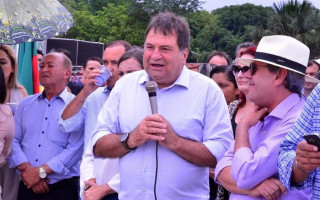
x=276, y=77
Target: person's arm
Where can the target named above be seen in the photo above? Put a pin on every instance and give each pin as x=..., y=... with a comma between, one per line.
x=192, y=151
x=295, y=168
x=250, y=118
x=69, y=156
x=17, y=156
x=30, y=174
x=270, y=188
x=307, y=160
x=76, y=104
x=6, y=131
x=95, y=191
x=87, y=168
x=157, y=128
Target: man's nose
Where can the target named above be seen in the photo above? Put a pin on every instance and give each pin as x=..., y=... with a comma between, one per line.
x=156, y=54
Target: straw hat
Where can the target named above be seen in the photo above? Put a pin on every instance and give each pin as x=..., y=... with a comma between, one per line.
x=282, y=51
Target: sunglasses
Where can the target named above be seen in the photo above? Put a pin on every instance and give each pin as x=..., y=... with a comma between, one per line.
x=236, y=69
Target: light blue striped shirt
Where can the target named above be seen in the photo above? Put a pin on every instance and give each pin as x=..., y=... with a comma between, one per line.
x=86, y=119
x=307, y=123
x=39, y=141
x=195, y=107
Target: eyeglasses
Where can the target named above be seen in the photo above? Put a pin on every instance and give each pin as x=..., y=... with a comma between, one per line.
x=236, y=69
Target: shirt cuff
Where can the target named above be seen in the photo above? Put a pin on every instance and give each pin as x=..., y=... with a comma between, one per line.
x=237, y=164
x=114, y=183
x=16, y=159
x=56, y=166
x=96, y=136
x=73, y=123
x=216, y=148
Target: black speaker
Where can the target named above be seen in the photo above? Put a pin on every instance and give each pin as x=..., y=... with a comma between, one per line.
x=80, y=50
x=87, y=50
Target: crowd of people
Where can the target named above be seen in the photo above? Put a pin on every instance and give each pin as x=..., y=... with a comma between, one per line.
x=227, y=129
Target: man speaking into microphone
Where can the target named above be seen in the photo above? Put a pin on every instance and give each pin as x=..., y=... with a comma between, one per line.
x=164, y=155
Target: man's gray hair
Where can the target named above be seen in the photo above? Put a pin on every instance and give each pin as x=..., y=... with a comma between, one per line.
x=294, y=82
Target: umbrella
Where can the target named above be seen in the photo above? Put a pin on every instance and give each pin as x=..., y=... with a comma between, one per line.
x=30, y=20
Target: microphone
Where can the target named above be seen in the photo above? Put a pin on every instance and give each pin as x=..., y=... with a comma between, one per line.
x=151, y=88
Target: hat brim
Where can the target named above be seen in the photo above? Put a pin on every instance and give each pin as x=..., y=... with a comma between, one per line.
x=248, y=61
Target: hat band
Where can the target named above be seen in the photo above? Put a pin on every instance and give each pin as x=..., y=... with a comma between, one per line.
x=281, y=61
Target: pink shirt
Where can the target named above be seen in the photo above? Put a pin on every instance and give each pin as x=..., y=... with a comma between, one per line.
x=6, y=132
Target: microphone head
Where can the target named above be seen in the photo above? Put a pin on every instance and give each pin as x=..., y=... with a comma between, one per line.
x=151, y=86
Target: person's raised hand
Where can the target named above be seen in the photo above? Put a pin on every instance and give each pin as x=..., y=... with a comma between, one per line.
x=253, y=114
x=308, y=156
x=89, y=83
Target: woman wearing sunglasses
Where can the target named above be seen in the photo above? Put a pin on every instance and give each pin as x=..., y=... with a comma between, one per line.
x=239, y=69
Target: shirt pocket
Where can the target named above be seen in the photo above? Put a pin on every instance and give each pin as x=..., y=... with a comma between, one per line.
x=59, y=138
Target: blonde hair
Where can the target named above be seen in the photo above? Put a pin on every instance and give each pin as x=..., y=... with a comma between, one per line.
x=13, y=82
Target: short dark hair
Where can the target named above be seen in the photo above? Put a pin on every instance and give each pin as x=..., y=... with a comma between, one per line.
x=123, y=43
x=167, y=22
x=312, y=62
x=64, y=51
x=294, y=82
x=92, y=59
x=135, y=52
x=221, y=54
x=226, y=69
x=3, y=88
x=39, y=52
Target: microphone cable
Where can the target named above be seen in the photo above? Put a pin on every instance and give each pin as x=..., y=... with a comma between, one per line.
x=156, y=175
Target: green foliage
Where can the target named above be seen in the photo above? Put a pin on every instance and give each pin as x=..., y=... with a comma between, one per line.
x=222, y=29
x=298, y=20
x=110, y=23
x=235, y=18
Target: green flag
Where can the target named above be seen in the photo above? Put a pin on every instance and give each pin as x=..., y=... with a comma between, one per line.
x=26, y=51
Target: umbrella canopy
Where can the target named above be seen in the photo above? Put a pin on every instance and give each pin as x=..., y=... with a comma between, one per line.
x=30, y=20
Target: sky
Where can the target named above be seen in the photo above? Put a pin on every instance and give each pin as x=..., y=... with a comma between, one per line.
x=210, y=5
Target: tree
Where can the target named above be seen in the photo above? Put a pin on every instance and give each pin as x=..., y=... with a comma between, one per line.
x=298, y=20
x=235, y=18
x=110, y=23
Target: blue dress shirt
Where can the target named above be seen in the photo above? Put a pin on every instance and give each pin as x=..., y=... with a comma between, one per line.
x=39, y=141
x=307, y=123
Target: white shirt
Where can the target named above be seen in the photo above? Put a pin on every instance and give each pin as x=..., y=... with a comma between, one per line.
x=195, y=107
x=105, y=171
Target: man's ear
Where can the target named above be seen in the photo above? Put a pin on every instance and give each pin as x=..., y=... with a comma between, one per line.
x=67, y=73
x=185, y=54
x=281, y=75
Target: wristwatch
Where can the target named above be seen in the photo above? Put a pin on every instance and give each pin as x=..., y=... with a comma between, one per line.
x=124, y=142
x=42, y=172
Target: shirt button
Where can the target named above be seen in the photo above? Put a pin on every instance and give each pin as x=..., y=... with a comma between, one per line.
x=36, y=160
x=49, y=105
x=46, y=118
x=39, y=145
x=42, y=132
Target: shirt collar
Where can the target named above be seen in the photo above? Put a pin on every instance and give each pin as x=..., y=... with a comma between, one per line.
x=182, y=80
x=63, y=95
x=287, y=104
